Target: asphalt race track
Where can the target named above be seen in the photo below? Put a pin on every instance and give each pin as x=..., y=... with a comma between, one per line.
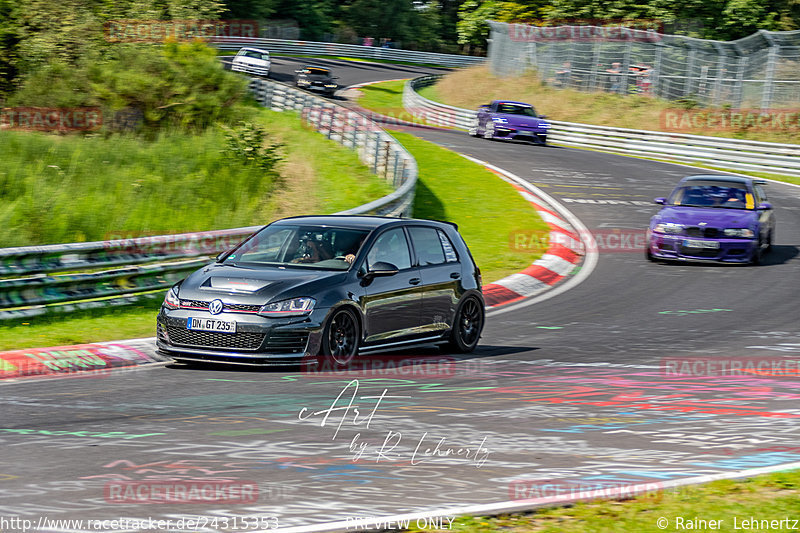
x=349, y=72
x=576, y=391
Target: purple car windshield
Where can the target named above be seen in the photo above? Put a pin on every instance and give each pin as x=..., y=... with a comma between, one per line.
x=516, y=109
x=712, y=194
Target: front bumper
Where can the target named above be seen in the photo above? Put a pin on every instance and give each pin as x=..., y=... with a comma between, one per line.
x=258, y=340
x=250, y=69
x=665, y=246
x=534, y=135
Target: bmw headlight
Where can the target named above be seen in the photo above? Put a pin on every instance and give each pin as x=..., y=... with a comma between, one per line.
x=669, y=228
x=293, y=307
x=739, y=232
x=171, y=300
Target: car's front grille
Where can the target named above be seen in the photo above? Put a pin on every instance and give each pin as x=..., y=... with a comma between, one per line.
x=695, y=231
x=286, y=342
x=208, y=339
x=232, y=308
x=699, y=252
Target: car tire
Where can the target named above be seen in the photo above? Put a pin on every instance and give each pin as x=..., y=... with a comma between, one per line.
x=340, y=339
x=467, y=326
x=769, y=243
x=758, y=255
x=473, y=130
x=488, y=133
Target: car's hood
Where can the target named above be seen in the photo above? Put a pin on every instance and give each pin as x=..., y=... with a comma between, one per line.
x=253, y=285
x=519, y=120
x=713, y=217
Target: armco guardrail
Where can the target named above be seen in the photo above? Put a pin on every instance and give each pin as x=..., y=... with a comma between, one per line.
x=112, y=272
x=719, y=152
x=315, y=49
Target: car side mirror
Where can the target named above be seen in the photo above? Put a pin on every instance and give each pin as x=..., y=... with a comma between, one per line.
x=764, y=205
x=382, y=268
x=660, y=201
x=542, y=116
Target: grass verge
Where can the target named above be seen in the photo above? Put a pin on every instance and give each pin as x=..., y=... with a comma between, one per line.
x=69, y=189
x=386, y=98
x=84, y=188
x=474, y=86
x=81, y=327
x=768, y=497
x=487, y=209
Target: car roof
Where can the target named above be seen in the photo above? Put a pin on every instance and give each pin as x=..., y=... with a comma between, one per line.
x=368, y=222
x=511, y=102
x=249, y=49
x=718, y=177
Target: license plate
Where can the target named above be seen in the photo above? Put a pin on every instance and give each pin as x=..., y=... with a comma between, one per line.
x=690, y=243
x=211, y=324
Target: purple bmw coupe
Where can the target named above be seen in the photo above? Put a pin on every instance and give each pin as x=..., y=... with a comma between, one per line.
x=510, y=120
x=713, y=218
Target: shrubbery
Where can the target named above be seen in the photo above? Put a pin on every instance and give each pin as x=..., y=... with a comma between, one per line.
x=179, y=85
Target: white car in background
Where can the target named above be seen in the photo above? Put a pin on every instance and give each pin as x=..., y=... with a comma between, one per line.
x=251, y=61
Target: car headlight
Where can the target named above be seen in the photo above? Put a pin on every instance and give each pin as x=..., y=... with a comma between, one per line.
x=293, y=307
x=739, y=232
x=668, y=227
x=500, y=120
x=171, y=300
x=329, y=86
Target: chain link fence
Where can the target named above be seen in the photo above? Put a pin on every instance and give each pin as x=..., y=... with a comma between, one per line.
x=758, y=71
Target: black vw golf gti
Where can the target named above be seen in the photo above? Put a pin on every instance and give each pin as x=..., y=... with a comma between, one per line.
x=327, y=287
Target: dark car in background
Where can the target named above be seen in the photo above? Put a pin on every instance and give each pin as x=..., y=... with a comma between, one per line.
x=327, y=287
x=713, y=218
x=317, y=79
x=507, y=120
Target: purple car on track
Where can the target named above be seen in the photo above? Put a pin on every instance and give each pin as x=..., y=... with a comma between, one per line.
x=713, y=218
x=510, y=120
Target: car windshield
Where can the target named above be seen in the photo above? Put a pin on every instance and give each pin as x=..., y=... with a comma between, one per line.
x=713, y=194
x=303, y=246
x=257, y=55
x=516, y=109
x=318, y=71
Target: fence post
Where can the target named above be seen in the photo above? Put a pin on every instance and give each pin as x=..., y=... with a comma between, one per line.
x=331, y=122
x=654, y=75
x=722, y=60
x=626, y=68
x=739, y=89
x=377, y=153
x=688, y=86
x=595, y=65
x=769, y=78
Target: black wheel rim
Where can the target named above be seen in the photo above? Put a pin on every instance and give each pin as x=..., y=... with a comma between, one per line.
x=470, y=322
x=342, y=338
